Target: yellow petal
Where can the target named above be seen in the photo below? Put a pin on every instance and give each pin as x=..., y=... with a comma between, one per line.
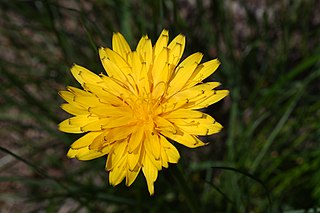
x=144, y=48
x=119, y=61
x=206, y=70
x=136, y=65
x=171, y=105
x=132, y=175
x=160, y=70
x=83, y=75
x=214, y=97
x=183, y=113
x=67, y=96
x=176, y=47
x=152, y=146
x=144, y=81
x=76, y=124
x=78, y=92
x=183, y=73
x=171, y=152
x=151, y=173
x=159, y=89
x=119, y=133
x=164, y=157
x=86, y=154
x=162, y=123
x=74, y=109
x=120, y=45
x=118, y=173
x=109, y=137
x=161, y=43
x=187, y=98
x=82, y=120
x=99, y=142
x=72, y=153
x=191, y=96
x=155, y=161
x=134, y=157
x=80, y=101
x=202, y=129
x=117, y=153
x=135, y=139
x=106, y=147
x=114, y=87
x=111, y=68
x=85, y=140
x=184, y=138
x=110, y=110
x=102, y=96
x=107, y=123
x=125, y=68
x=204, y=125
x=87, y=101
x=103, y=144
x=201, y=117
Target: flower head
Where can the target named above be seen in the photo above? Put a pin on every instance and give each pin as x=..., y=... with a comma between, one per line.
x=146, y=98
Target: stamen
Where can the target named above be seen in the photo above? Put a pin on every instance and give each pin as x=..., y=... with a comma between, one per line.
x=207, y=131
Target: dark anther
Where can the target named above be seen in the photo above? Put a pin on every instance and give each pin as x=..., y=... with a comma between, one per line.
x=207, y=132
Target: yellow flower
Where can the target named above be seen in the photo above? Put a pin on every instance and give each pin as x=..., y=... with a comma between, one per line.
x=146, y=98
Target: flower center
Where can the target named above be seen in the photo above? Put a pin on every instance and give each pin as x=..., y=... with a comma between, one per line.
x=145, y=114
x=143, y=110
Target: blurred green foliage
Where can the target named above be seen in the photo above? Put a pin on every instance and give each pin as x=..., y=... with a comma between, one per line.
x=270, y=54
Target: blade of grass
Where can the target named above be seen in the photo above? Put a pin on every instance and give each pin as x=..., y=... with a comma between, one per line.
x=184, y=188
x=253, y=177
x=30, y=99
x=63, y=42
x=276, y=129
